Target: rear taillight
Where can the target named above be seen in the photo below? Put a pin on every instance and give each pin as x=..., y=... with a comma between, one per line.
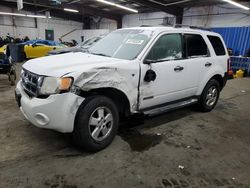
x=228, y=65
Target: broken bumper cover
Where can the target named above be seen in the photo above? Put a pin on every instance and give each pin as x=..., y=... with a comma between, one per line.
x=56, y=112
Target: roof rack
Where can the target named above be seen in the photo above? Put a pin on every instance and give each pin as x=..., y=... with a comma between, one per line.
x=181, y=26
x=191, y=27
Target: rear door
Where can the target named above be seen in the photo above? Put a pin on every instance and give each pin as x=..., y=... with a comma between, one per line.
x=197, y=58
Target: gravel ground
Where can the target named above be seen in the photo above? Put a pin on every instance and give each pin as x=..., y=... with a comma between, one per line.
x=183, y=148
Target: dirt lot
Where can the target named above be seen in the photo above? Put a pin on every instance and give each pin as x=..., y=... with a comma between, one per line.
x=183, y=148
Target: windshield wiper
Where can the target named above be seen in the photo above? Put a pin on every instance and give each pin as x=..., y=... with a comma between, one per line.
x=101, y=54
x=85, y=50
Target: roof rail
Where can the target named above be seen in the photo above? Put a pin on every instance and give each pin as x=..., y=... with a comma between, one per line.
x=181, y=26
x=191, y=27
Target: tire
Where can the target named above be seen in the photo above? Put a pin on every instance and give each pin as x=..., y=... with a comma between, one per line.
x=209, y=96
x=90, y=120
x=12, y=79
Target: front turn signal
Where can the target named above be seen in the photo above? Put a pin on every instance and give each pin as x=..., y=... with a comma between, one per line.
x=65, y=84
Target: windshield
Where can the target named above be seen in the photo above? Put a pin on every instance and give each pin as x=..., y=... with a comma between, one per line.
x=122, y=44
x=89, y=43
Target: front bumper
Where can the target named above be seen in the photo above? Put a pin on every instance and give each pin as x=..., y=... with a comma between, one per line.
x=56, y=112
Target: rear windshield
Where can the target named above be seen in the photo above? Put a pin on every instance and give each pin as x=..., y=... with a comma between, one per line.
x=217, y=45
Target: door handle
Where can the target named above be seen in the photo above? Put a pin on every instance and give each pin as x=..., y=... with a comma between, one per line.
x=178, y=68
x=208, y=64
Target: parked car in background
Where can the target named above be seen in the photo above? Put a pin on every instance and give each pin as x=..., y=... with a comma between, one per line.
x=3, y=49
x=90, y=42
x=81, y=47
x=143, y=70
x=40, y=48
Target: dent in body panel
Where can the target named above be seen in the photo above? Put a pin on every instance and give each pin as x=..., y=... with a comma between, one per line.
x=111, y=77
x=76, y=104
x=145, y=90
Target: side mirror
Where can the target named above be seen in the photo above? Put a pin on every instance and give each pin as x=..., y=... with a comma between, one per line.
x=34, y=45
x=150, y=76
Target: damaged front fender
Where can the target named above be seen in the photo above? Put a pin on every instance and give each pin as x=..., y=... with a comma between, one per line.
x=124, y=78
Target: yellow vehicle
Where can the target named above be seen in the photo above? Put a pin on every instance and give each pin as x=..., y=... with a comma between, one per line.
x=2, y=49
x=39, y=48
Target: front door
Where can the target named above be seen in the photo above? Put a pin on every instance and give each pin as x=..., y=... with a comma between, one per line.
x=167, y=61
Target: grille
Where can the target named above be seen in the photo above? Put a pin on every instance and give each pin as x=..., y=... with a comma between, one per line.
x=31, y=83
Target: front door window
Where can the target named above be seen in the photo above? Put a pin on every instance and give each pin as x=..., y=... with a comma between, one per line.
x=168, y=47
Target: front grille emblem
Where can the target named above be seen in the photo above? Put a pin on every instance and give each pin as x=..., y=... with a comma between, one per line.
x=31, y=82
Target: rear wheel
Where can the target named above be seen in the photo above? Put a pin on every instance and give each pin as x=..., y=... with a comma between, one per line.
x=96, y=123
x=209, y=96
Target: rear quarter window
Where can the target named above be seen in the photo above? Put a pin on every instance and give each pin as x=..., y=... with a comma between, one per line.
x=217, y=45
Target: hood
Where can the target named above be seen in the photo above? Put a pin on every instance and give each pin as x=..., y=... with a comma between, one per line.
x=59, y=65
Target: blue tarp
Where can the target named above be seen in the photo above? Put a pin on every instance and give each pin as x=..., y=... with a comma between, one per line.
x=47, y=42
x=237, y=38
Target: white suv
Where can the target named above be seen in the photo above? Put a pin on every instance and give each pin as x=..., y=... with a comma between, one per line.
x=145, y=70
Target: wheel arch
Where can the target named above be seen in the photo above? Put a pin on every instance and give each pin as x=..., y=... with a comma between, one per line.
x=219, y=78
x=217, y=75
x=117, y=96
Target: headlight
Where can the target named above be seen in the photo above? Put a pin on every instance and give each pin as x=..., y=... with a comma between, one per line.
x=52, y=85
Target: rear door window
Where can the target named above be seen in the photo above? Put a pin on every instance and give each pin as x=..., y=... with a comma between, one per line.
x=217, y=45
x=195, y=45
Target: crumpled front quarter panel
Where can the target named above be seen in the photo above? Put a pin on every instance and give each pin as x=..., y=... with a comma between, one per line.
x=123, y=76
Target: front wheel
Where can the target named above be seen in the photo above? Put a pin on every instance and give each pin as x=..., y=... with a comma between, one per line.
x=96, y=123
x=209, y=96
